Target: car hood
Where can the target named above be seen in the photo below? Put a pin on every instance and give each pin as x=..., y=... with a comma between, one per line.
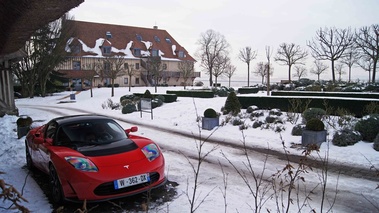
x=117, y=147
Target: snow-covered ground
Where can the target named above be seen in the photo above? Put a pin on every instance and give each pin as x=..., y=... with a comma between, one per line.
x=181, y=116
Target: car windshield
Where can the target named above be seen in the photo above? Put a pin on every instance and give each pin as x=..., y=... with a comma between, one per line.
x=93, y=132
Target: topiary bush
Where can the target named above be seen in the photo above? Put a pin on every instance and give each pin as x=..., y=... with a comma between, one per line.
x=257, y=124
x=315, y=124
x=368, y=126
x=376, y=142
x=129, y=108
x=257, y=113
x=270, y=119
x=313, y=113
x=346, y=137
x=237, y=122
x=24, y=121
x=210, y=113
x=232, y=104
x=147, y=94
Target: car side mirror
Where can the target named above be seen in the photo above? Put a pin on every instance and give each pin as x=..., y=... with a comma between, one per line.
x=38, y=140
x=131, y=129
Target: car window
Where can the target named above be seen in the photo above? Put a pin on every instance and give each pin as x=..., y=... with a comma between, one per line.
x=94, y=131
x=51, y=129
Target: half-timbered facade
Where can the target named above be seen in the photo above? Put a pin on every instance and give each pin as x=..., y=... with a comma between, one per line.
x=134, y=47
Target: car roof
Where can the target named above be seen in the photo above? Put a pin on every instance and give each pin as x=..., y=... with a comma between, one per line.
x=76, y=118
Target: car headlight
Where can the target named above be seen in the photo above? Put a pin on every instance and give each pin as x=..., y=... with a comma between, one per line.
x=82, y=164
x=151, y=151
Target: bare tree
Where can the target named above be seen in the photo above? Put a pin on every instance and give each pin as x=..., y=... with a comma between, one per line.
x=229, y=71
x=331, y=44
x=92, y=70
x=318, y=69
x=268, y=56
x=212, y=44
x=130, y=71
x=367, y=39
x=261, y=70
x=366, y=64
x=246, y=55
x=220, y=65
x=351, y=58
x=300, y=71
x=340, y=71
x=113, y=67
x=186, y=69
x=290, y=54
x=155, y=67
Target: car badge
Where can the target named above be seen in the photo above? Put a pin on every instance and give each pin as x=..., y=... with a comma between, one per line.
x=126, y=166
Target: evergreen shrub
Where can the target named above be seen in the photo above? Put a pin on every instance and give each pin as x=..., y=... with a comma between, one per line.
x=315, y=124
x=210, y=113
x=313, y=113
x=368, y=126
x=346, y=137
x=232, y=104
x=129, y=108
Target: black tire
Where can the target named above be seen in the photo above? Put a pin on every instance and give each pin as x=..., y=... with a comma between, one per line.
x=55, y=186
x=28, y=157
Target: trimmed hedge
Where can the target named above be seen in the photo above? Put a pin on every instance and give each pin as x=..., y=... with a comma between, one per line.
x=192, y=93
x=168, y=98
x=248, y=90
x=355, y=106
x=326, y=94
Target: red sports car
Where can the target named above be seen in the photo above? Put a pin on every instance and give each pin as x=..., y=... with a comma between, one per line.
x=91, y=157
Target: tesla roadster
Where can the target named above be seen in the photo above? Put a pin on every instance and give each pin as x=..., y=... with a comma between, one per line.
x=92, y=158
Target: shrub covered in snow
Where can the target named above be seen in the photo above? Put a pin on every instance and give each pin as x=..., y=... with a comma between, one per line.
x=368, y=127
x=313, y=113
x=346, y=137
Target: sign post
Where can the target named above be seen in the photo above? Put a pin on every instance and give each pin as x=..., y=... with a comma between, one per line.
x=146, y=106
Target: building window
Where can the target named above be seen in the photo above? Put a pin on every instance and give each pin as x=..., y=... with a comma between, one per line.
x=76, y=65
x=139, y=37
x=157, y=39
x=108, y=34
x=75, y=49
x=137, y=80
x=107, y=50
x=165, y=66
x=126, y=66
x=137, y=66
x=107, y=66
x=168, y=40
x=181, y=54
x=137, y=52
x=126, y=80
x=155, y=53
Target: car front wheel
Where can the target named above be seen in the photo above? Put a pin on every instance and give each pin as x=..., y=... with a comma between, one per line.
x=55, y=186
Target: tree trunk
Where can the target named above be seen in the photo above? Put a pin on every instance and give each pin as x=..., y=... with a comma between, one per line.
x=248, y=75
x=112, y=88
x=333, y=73
x=374, y=71
x=289, y=73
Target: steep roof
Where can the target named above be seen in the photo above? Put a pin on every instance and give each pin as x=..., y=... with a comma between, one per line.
x=124, y=39
x=20, y=18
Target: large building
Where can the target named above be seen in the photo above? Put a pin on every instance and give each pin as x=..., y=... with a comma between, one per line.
x=95, y=44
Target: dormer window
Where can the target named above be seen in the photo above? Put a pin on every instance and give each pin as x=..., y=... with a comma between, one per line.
x=139, y=37
x=168, y=40
x=75, y=48
x=107, y=50
x=181, y=54
x=137, y=52
x=155, y=52
x=108, y=34
x=157, y=39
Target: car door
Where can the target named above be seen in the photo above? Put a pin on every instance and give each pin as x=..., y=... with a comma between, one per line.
x=42, y=154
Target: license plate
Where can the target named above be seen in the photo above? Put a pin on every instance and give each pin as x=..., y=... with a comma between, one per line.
x=130, y=181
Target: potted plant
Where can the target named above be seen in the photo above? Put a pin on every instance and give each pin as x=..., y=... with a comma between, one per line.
x=23, y=125
x=314, y=133
x=210, y=119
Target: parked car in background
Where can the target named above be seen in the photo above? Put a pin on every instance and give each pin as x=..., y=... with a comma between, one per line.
x=91, y=157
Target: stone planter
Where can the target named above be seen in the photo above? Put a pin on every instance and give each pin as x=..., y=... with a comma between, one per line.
x=23, y=125
x=313, y=137
x=209, y=123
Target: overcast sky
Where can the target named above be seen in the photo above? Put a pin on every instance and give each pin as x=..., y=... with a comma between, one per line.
x=255, y=23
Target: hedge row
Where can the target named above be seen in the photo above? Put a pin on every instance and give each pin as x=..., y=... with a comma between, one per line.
x=326, y=94
x=192, y=93
x=248, y=90
x=354, y=106
x=168, y=98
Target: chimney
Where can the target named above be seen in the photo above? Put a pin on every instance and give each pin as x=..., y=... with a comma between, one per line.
x=155, y=27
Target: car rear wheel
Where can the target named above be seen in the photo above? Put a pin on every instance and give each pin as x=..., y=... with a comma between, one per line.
x=29, y=160
x=55, y=186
